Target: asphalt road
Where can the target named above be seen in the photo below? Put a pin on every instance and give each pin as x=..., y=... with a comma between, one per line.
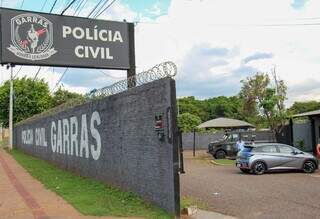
x=274, y=195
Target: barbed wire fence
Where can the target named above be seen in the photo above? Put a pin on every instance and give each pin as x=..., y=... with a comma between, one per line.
x=164, y=70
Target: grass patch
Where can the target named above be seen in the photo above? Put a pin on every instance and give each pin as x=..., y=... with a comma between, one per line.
x=225, y=161
x=3, y=144
x=188, y=201
x=88, y=196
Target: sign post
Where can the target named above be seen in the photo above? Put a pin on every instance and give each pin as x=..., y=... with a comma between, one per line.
x=132, y=70
x=11, y=107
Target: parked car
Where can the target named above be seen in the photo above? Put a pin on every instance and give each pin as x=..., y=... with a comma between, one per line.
x=226, y=147
x=261, y=158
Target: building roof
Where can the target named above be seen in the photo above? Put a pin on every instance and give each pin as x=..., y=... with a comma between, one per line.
x=225, y=123
x=310, y=113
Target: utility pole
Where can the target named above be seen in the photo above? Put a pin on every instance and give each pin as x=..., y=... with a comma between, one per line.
x=178, y=107
x=11, y=107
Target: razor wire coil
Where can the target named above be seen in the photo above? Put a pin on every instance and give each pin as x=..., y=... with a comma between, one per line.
x=163, y=70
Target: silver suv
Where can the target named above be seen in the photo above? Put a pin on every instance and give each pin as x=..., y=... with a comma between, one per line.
x=274, y=156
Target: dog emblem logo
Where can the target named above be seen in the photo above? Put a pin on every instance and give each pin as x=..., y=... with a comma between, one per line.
x=31, y=37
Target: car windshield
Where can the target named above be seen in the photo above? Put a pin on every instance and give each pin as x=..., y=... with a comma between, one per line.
x=235, y=137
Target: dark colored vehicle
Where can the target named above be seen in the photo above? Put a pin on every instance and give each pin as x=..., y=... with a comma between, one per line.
x=261, y=158
x=226, y=147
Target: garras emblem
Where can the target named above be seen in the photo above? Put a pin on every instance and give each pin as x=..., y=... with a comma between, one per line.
x=31, y=37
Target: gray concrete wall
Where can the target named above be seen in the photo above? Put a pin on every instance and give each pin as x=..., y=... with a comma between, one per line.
x=302, y=131
x=113, y=140
x=202, y=140
x=317, y=129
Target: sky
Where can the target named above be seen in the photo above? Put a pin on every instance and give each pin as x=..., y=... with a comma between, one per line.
x=214, y=43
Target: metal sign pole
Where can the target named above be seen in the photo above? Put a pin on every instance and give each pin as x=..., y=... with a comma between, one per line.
x=132, y=71
x=194, y=142
x=11, y=108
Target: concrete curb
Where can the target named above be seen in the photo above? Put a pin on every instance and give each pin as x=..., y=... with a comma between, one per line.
x=202, y=214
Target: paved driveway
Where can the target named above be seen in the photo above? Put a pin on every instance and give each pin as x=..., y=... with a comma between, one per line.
x=276, y=195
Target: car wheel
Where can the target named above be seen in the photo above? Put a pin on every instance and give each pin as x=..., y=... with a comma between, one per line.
x=309, y=166
x=245, y=170
x=259, y=168
x=220, y=154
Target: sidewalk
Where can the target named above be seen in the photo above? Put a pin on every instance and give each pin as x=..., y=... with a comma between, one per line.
x=201, y=214
x=23, y=197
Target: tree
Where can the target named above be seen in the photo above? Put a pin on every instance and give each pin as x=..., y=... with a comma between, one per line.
x=302, y=107
x=30, y=97
x=194, y=107
x=262, y=99
x=187, y=122
x=212, y=108
x=62, y=96
x=222, y=106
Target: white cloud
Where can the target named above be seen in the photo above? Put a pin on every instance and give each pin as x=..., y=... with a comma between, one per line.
x=234, y=24
x=11, y=3
x=155, y=10
x=118, y=12
x=77, y=89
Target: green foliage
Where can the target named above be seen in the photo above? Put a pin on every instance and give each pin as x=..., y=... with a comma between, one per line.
x=224, y=162
x=88, y=196
x=62, y=96
x=263, y=100
x=30, y=98
x=4, y=143
x=252, y=93
x=187, y=122
x=222, y=106
x=212, y=108
x=301, y=144
x=302, y=107
x=193, y=106
x=260, y=102
x=188, y=201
